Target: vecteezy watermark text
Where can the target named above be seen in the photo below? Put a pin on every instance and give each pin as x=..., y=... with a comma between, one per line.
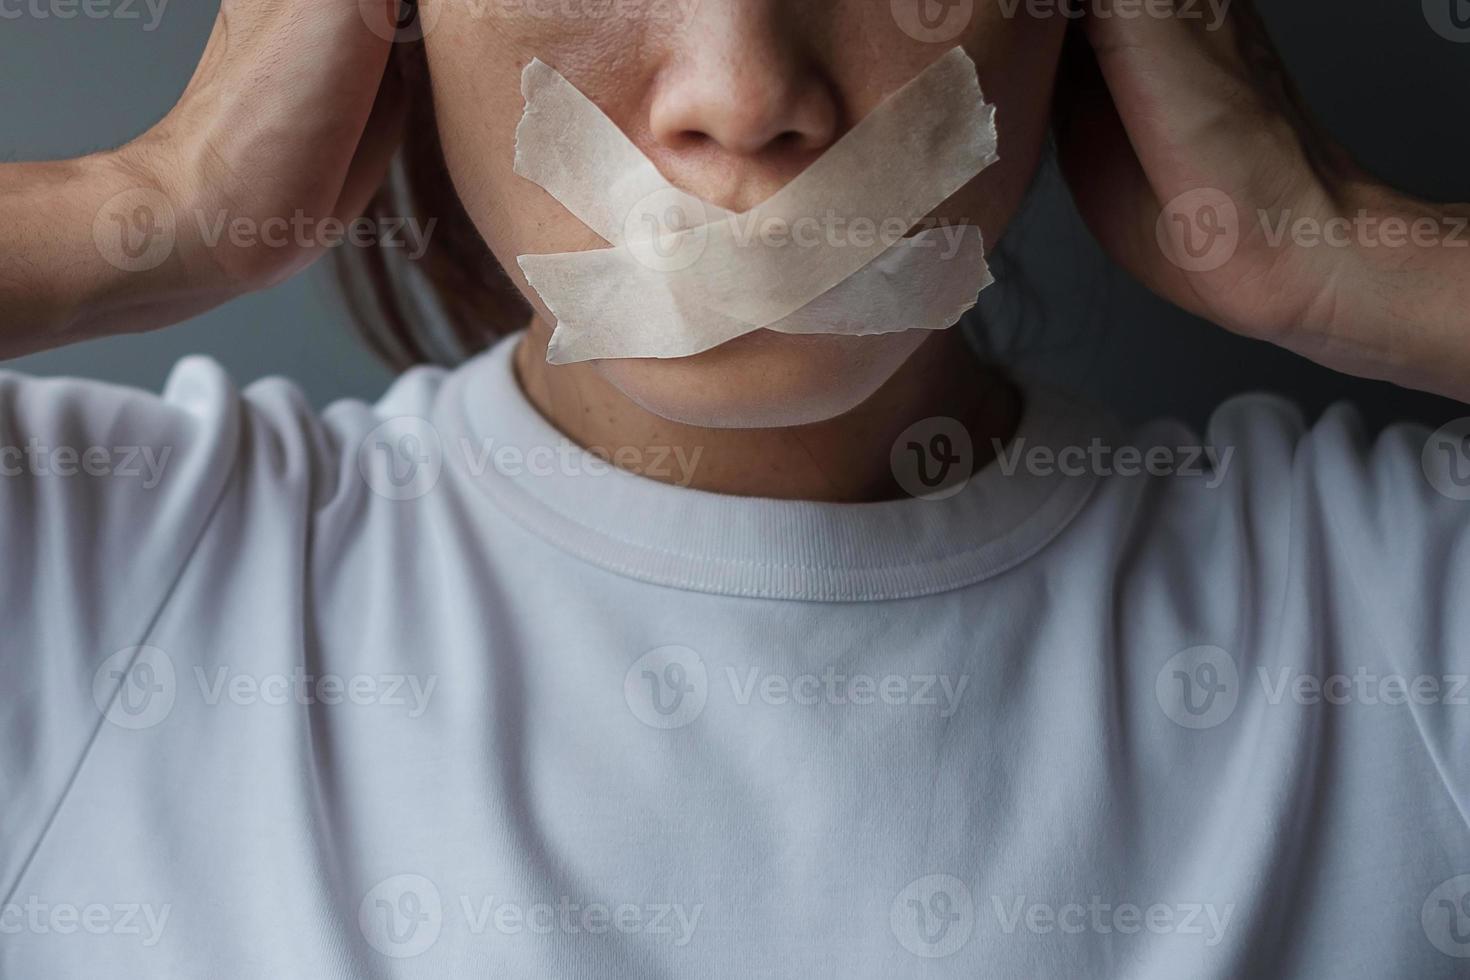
x=570, y=917
x=831, y=687
x=1201, y=687
x=39, y=458
x=1098, y=458
x=1212, y=12
x=41, y=918
x=1098, y=917
x=404, y=457
x=673, y=464
x=85, y=10
x=403, y=916
x=299, y=687
x=670, y=686
x=1204, y=229
x=137, y=688
x=139, y=229
x=1365, y=230
x=303, y=231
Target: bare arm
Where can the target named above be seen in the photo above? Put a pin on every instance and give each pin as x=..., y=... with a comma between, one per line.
x=276, y=131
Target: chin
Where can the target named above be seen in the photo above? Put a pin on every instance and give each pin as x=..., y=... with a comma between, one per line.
x=764, y=380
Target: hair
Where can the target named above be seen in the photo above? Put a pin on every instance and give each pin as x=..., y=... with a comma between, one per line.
x=456, y=299
x=453, y=300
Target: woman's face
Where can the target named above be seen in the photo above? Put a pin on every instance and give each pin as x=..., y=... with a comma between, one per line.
x=731, y=99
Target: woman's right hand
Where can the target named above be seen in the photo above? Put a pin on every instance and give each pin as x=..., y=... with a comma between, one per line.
x=281, y=135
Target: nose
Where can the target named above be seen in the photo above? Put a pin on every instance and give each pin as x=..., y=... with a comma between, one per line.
x=742, y=81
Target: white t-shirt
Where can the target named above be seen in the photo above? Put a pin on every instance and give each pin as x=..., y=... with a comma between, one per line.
x=420, y=690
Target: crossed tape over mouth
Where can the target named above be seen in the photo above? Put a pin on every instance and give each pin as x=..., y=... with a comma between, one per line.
x=683, y=275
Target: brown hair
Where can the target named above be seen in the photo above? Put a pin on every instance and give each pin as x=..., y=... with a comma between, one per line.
x=456, y=299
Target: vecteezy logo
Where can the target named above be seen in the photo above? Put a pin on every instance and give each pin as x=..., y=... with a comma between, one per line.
x=933, y=459
x=402, y=459
x=1199, y=687
x=135, y=231
x=933, y=917
x=411, y=20
x=1199, y=231
x=135, y=688
x=933, y=21
x=401, y=916
x=1446, y=917
x=667, y=687
x=1446, y=460
x=668, y=230
x=1449, y=18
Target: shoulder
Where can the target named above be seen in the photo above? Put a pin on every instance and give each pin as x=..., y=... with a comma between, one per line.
x=1261, y=452
x=1326, y=525
x=108, y=492
x=201, y=428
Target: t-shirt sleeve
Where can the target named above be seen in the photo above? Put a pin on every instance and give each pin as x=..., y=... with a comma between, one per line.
x=104, y=492
x=1390, y=515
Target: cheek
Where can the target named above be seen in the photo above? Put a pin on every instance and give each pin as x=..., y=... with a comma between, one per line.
x=1017, y=58
x=475, y=64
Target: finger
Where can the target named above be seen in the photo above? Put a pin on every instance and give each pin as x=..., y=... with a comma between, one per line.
x=1190, y=101
x=1112, y=191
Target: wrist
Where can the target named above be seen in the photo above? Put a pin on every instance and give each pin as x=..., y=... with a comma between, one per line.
x=1410, y=286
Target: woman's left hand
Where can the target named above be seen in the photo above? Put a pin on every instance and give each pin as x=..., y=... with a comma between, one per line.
x=1193, y=165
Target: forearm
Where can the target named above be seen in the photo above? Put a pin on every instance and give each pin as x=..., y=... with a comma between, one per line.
x=1395, y=304
x=1429, y=301
x=91, y=247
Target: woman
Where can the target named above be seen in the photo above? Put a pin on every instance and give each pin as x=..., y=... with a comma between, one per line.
x=427, y=688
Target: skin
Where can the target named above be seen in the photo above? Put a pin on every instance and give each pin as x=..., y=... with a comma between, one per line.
x=731, y=99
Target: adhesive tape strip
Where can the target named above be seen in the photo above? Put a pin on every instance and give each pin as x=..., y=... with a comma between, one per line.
x=685, y=275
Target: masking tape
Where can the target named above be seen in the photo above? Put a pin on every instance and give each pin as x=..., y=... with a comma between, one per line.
x=684, y=275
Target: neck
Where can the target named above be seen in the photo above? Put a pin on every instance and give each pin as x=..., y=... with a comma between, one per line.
x=842, y=460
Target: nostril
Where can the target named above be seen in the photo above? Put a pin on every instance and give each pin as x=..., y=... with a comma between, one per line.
x=789, y=112
x=688, y=139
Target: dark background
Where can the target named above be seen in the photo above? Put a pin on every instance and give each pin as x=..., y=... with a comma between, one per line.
x=1388, y=85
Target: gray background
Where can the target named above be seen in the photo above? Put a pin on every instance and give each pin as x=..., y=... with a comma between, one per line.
x=1390, y=87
